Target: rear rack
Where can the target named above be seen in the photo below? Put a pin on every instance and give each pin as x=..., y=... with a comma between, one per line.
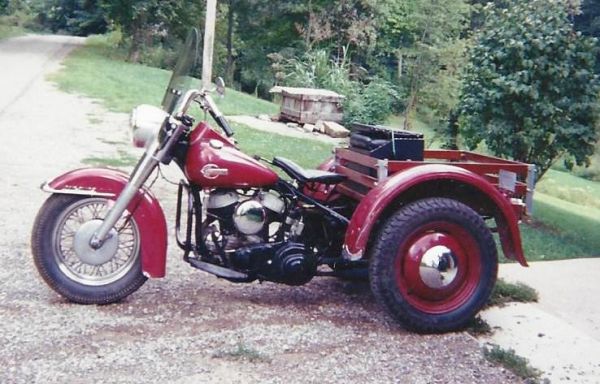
x=514, y=179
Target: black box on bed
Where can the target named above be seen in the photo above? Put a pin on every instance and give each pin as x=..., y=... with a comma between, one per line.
x=386, y=143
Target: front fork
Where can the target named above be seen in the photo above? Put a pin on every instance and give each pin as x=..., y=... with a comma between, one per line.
x=155, y=153
x=140, y=174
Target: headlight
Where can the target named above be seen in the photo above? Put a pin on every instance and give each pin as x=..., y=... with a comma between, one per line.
x=145, y=122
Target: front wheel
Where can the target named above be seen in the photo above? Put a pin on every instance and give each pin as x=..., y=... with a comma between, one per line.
x=62, y=254
x=433, y=265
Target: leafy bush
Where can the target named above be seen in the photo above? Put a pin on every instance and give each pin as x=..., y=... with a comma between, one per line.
x=374, y=103
x=367, y=100
x=530, y=91
x=158, y=56
x=20, y=19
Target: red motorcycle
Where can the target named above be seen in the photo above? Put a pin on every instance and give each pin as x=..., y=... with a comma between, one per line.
x=419, y=223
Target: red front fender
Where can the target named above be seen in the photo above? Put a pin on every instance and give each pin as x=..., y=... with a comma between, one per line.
x=371, y=207
x=146, y=210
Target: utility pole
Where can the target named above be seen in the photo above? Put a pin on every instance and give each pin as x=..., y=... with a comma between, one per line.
x=209, y=40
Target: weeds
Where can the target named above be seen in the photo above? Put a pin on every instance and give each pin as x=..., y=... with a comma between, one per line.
x=242, y=352
x=513, y=362
x=505, y=292
x=478, y=327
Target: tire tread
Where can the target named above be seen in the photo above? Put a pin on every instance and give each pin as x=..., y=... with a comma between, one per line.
x=43, y=258
x=382, y=254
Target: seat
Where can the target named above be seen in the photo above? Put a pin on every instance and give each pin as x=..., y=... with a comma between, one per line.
x=307, y=175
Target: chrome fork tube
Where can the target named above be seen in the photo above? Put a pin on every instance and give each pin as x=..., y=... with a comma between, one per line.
x=140, y=174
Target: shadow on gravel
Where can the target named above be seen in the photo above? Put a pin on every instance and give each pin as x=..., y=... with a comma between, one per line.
x=215, y=303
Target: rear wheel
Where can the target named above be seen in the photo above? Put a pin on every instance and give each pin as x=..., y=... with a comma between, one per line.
x=65, y=260
x=433, y=265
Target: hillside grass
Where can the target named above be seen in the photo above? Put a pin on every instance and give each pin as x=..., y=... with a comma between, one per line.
x=97, y=70
x=307, y=153
x=566, y=218
x=432, y=141
x=7, y=31
x=562, y=230
x=568, y=187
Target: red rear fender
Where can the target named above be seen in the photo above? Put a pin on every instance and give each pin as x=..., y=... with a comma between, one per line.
x=397, y=187
x=146, y=210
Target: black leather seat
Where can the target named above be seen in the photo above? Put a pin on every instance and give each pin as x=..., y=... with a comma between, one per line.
x=307, y=175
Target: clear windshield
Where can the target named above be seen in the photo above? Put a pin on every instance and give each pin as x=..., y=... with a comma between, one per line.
x=187, y=68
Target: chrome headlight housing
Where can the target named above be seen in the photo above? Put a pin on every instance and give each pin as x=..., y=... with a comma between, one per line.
x=145, y=123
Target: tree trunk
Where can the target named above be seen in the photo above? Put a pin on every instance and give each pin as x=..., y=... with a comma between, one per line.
x=400, y=65
x=451, y=141
x=410, y=106
x=137, y=38
x=230, y=66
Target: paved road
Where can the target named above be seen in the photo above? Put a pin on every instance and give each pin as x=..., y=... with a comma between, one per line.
x=561, y=334
x=188, y=327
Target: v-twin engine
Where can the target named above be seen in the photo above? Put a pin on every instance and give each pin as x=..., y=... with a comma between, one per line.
x=254, y=232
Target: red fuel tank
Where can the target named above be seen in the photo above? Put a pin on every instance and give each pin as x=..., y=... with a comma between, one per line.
x=212, y=161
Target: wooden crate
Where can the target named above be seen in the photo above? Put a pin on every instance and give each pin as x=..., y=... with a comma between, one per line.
x=308, y=105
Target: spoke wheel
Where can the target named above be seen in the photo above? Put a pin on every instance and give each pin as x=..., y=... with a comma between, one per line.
x=433, y=265
x=78, y=260
x=64, y=258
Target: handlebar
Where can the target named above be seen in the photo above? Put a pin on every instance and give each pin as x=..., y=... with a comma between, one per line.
x=208, y=104
x=217, y=115
x=224, y=125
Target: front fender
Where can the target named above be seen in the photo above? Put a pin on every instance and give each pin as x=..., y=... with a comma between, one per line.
x=371, y=207
x=146, y=210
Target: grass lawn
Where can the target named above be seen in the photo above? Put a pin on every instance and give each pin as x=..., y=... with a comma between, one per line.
x=7, y=31
x=431, y=139
x=568, y=187
x=94, y=72
x=562, y=230
x=567, y=208
x=566, y=218
x=307, y=153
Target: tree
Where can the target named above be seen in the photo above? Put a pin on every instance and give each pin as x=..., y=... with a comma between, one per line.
x=425, y=37
x=588, y=22
x=143, y=20
x=77, y=17
x=529, y=89
x=3, y=7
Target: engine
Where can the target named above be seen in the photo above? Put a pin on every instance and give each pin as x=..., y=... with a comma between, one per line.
x=236, y=219
x=255, y=231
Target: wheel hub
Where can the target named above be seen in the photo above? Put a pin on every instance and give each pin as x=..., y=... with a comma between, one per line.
x=434, y=266
x=439, y=267
x=92, y=256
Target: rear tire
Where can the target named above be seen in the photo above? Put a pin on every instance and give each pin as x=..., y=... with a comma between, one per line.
x=59, y=244
x=433, y=265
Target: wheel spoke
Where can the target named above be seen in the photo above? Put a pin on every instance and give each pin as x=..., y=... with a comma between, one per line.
x=71, y=224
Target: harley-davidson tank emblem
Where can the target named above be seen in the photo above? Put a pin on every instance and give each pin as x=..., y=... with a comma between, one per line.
x=212, y=171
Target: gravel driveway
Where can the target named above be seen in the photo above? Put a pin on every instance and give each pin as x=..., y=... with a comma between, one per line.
x=189, y=327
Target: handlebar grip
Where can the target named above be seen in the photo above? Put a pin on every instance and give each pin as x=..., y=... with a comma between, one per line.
x=224, y=125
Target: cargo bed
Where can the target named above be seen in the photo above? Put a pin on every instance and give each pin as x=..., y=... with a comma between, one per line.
x=514, y=179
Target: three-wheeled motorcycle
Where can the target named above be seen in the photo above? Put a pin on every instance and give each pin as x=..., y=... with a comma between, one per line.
x=419, y=223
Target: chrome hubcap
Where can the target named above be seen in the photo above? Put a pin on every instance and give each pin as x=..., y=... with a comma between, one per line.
x=89, y=255
x=438, y=267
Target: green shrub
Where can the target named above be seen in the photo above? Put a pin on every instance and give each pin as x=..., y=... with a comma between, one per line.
x=505, y=292
x=367, y=100
x=513, y=362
